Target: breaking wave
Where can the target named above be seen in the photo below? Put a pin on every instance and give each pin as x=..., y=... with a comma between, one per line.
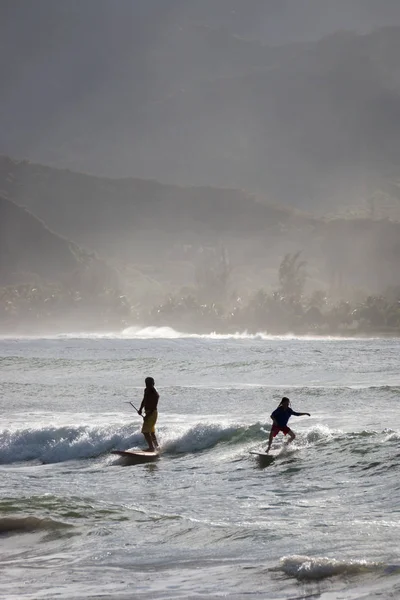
x=51, y=443
x=15, y=525
x=317, y=568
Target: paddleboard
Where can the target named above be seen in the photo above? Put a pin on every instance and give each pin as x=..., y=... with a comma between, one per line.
x=137, y=455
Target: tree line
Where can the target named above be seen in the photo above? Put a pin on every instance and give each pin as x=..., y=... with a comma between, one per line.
x=211, y=305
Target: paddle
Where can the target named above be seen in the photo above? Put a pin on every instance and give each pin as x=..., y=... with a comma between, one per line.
x=135, y=409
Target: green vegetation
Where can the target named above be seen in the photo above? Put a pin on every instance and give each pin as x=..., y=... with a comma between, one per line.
x=54, y=308
x=276, y=314
x=285, y=310
x=292, y=276
x=58, y=308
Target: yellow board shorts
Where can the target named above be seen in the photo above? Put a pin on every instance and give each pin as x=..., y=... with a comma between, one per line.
x=149, y=423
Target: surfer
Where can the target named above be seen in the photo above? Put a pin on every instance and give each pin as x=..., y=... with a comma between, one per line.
x=149, y=404
x=280, y=418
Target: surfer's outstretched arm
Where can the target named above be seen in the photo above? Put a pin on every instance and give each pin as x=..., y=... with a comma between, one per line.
x=298, y=414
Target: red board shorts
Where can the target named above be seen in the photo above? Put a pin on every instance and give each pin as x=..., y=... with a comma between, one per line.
x=276, y=429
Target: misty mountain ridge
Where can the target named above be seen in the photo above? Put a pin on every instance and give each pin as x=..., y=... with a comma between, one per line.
x=158, y=235
x=30, y=251
x=115, y=217
x=310, y=124
x=27, y=246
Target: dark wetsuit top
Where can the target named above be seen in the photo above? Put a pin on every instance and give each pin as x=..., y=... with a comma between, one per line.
x=282, y=416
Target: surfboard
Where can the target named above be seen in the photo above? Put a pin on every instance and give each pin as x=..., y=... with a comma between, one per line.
x=137, y=455
x=270, y=457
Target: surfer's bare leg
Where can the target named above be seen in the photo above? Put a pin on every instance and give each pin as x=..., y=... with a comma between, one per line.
x=271, y=437
x=148, y=438
x=154, y=440
x=292, y=436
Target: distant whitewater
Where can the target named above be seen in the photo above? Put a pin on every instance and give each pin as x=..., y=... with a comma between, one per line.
x=168, y=333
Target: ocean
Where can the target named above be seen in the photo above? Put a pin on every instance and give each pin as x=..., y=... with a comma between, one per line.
x=207, y=520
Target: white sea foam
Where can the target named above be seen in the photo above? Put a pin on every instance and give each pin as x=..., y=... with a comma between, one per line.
x=320, y=432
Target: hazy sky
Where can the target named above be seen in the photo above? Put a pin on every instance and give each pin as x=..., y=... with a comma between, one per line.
x=83, y=82
x=273, y=21
x=280, y=21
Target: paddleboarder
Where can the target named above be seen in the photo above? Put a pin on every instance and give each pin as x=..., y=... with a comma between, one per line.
x=149, y=404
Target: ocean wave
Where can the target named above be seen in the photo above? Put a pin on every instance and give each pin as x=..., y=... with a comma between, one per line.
x=317, y=568
x=204, y=436
x=394, y=389
x=15, y=525
x=318, y=433
x=49, y=443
